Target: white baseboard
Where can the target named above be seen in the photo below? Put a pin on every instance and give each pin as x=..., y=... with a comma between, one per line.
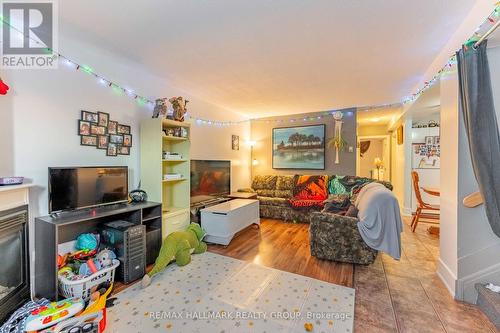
x=465, y=286
x=406, y=211
x=447, y=276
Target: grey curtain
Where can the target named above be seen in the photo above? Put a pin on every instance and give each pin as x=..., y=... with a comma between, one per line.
x=478, y=110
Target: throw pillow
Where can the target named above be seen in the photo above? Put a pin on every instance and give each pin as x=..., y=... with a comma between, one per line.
x=310, y=187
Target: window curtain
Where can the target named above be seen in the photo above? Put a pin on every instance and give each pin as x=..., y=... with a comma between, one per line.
x=477, y=107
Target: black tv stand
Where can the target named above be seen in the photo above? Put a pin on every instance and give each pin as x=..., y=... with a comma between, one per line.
x=52, y=230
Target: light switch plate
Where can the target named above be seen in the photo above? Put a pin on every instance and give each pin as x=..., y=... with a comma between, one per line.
x=351, y=149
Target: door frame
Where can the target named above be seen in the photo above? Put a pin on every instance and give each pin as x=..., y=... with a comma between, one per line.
x=387, y=153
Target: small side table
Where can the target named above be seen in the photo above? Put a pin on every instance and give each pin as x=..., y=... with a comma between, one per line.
x=242, y=195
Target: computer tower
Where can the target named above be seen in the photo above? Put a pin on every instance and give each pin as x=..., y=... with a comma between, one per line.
x=128, y=240
x=153, y=244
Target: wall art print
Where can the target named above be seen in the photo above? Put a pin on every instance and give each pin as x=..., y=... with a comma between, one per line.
x=96, y=129
x=301, y=147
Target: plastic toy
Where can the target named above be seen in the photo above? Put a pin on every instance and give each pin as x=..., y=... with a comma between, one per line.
x=48, y=315
x=97, y=301
x=62, y=260
x=102, y=260
x=178, y=245
x=87, y=242
x=92, y=322
x=3, y=87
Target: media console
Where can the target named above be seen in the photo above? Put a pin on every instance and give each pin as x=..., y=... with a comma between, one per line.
x=53, y=230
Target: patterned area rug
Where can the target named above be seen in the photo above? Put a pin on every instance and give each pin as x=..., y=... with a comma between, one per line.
x=219, y=294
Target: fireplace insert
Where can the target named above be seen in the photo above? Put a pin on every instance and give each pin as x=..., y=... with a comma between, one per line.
x=14, y=269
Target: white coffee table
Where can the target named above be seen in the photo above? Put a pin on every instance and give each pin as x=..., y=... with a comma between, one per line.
x=221, y=222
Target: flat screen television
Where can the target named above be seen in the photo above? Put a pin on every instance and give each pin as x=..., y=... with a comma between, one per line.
x=209, y=179
x=85, y=187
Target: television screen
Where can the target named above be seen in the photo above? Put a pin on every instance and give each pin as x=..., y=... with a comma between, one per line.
x=74, y=188
x=209, y=179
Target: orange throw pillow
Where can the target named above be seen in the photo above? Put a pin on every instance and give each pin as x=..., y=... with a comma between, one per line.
x=311, y=187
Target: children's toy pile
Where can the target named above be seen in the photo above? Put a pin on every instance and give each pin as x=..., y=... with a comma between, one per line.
x=86, y=277
x=86, y=259
x=87, y=266
x=68, y=315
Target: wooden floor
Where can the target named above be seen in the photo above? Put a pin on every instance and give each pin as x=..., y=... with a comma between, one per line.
x=284, y=246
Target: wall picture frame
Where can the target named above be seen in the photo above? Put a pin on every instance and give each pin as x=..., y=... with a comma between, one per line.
x=102, y=118
x=102, y=141
x=97, y=130
x=299, y=147
x=127, y=140
x=112, y=127
x=112, y=149
x=399, y=135
x=116, y=139
x=235, y=142
x=123, y=129
x=83, y=127
x=88, y=140
x=92, y=117
x=123, y=150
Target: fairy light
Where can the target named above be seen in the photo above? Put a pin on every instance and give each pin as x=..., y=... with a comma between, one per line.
x=143, y=101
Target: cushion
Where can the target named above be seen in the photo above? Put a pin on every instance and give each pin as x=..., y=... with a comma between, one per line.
x=337, y=206
x=265, y=193
x=285, y=182
x=284, y=186
x=285, y=194
x=279, y=202
x=310, y=187
x=264, y=182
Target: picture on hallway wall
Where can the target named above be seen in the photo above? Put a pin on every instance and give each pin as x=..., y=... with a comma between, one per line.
x=427, y=155
x=235, y=142
x=301, y=147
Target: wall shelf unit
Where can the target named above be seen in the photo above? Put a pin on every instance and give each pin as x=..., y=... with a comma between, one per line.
x=174, y=194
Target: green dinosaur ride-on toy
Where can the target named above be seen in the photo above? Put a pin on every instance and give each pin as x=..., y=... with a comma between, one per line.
x=178, y=245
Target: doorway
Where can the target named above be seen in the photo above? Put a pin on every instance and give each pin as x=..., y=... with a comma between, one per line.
x=374, y=157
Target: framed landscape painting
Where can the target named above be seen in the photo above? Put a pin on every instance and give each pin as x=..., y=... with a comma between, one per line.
x=301, y=147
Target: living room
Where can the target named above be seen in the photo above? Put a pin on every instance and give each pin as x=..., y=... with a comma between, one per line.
x=261, y=154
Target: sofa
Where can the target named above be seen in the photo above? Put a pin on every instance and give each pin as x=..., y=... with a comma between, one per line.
x=332, y=236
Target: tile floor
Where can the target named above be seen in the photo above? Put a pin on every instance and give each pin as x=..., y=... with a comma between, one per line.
x=408, y=296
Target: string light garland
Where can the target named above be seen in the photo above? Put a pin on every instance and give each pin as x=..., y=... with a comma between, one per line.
x=480, y=31
x=149, y=103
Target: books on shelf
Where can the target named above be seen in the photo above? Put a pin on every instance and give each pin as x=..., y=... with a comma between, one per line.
x=172, y=176
x=171, y=156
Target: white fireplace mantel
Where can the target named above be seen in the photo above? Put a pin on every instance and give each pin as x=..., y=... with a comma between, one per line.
x=14, y=196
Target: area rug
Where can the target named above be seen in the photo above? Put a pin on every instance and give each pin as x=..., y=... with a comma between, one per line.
x=219, y=294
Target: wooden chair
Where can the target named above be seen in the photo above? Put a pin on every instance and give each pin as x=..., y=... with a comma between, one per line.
x=421, y=205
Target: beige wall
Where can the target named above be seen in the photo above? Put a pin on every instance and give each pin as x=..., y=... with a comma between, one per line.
x=368, y=159
x=214, y=143
x=369, y=130
x=262, y=151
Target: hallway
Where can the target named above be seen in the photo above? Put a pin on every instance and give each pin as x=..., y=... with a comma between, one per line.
x=408, y=296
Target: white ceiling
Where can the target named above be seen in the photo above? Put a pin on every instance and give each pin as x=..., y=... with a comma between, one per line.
x=265, y=58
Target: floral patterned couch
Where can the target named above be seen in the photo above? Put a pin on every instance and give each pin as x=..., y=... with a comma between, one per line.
x=332, y=236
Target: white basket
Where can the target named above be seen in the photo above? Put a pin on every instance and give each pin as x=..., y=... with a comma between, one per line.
x=81, y=288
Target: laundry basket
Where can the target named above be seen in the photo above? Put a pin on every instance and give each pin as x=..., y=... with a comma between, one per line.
x=81, y=288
